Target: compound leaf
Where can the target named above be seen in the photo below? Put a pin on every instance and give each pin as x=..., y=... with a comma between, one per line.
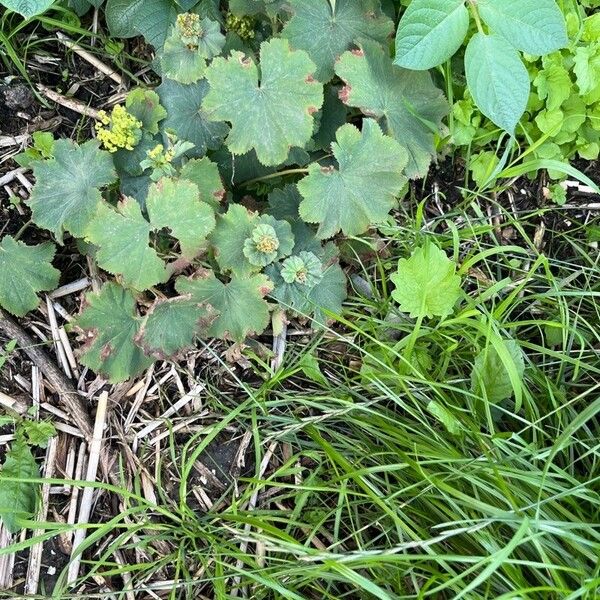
x=122, y=235
x=325, y=32
x=176, y=204
x=407, y=103
x=426, y=283
x=272, y=115
x=430, y=32
x=533, y=26
x=111, y=324
x=362, y=191
x=242, y=310
x=497, y=79
x=24, y=271
x=66, y=194
x=28, y=8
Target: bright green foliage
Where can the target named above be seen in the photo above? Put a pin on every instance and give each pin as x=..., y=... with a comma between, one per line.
x=442, y=414
x=325, y=31
x=406, y=103
x=27, y=8
x=172, y=325
x=110, y=324
x=176, y=204
x=426, y=284
x=43, y=147
x=145, y=106
x=430, y=32
x=491, y=376
x=242, y=310
x=362, y=191
x=122, y=235
x=192, y=41
x=205, y=175
x=269, y=241
x=25, y=271
x=66, y=195
x=270, y=115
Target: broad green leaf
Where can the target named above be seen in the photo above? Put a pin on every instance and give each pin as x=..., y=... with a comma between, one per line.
x=242, y=310
x=187, y=118
x=67, y=194
x=255, y=7
x=123, y=236
x=176, y=205
x=270, y=240
x=330, y=118
x=110, y=324
x=497, y=79
x=533, y=26
x=587, y=69
x=442, y=414
x=426, y=284
x=408, y=105
x=28, y=8
x=326, y=32
x=553, y=82
x=172, y=325
x=362, y=191
x=145, y=106
x=150, y=18
x=18, y=498
x=491, y=371
x=271, y=115
x=25, y=271
x=430, y=32
x=205, y=174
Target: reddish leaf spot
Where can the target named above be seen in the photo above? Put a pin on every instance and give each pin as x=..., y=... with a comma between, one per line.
x=219, y=195
x=327, y=170
x=310, y=79
x=312, y=110
x=358, y=52
x=245, y=62
x=344, y=93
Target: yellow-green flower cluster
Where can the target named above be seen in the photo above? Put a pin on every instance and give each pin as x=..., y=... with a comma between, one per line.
x=243, y=26
x=161, y=157
x=118, y=130
x=190, y=30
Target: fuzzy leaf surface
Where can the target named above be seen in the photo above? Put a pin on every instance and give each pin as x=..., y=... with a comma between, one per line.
x=205, y=175
x=145, y=106
x=67, y=194
x=407, y=103
x=111, y=324
x=326, y=32
x=25, y=271
x=270, y=115
x=242, y=310
x=362, y=191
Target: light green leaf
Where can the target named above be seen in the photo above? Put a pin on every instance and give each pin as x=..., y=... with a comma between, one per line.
x=187, y=118
x=497, y=79
x=442, y=414
x=426, y=283
x=587, y=68
x=490, y=375
x=66, y=194
x=18, y=498
x=25, y=271
x=407, y=104
x=362, y=191
x=271, y=115
x=270, y=240
x=110, y=324
x=176, y=204
x=28, y=8
x=553, y=82
x=326, y=32
x=533, y=26
x=205, y=175
x=145, y=106
x=123, y=235
x=242, y=310
x=430, y=32
x=38, y=433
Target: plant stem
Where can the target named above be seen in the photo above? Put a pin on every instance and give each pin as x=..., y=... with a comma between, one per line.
x=23, y=229
x=274, y=175
x=475, y=12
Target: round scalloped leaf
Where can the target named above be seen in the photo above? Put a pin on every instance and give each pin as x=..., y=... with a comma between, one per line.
x=176, y=204
x=407, y=103
x=66, y=194
x=172, y=325
x=205, y=174
x=111, y=324
x=123, y=236
x=326, y=32
x=187, y=118
x=362, y=191
x=272, y=115
x=145, y=106
x=270, y=240
x=25, y=271
x=242, y=310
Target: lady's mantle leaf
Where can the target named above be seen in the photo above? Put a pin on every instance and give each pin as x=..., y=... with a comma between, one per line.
x=205, y=174
x=240, y=304
x=407, y=103
x=145, y=106
x=123, y=236
x=426, y=283
x=272, y=115
x=325, y=32
x=18, y=498
x=24, y=271
x=66, y=194
x=176, y=205
x=111, y=324
x=362, y=191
